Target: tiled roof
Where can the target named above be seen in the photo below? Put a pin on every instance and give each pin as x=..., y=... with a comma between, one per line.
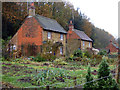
x=49, y=24
x=82, y=35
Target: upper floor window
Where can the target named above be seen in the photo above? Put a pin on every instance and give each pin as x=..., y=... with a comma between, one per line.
x=49, y=35
x=83, y=43
x=61, y=36
x=89, y=44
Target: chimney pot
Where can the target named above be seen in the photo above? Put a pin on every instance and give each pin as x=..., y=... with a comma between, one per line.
x=32, y=9
x=71, y=27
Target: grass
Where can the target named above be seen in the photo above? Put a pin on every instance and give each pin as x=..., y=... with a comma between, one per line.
x=14, y=72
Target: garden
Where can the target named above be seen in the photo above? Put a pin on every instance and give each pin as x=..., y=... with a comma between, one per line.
x=65, y=72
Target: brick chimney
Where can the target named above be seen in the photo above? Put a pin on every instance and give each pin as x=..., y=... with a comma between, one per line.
x=31, y=9
x=71, y=26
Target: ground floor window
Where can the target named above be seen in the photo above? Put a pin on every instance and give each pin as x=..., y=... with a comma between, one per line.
x=14, y=47
x=61, y=50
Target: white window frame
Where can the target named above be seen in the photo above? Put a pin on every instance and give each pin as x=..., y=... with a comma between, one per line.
x=61, y=50
x=49, y=35
x=61, y=37
x=14, y=47
x=89, y=44
x=83, y=43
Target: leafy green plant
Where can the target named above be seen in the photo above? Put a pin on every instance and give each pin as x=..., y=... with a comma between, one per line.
x=88, y=79
x=46, y=77
x=88, y=54
x=60, y=61
x=31, y=57
x=39, y=58
x=17, y=60
x=78, y=53
x=102, y=52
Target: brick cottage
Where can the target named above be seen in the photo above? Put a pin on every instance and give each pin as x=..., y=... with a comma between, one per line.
x=37, y=29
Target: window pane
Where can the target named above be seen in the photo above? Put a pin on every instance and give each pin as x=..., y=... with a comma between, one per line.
x=83, y=43
x=49, y=35
x=61, y=36
x=61, y=50
x=89, y=44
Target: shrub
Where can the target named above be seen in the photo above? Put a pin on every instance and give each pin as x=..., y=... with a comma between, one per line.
x=60, y=61
x=53, y=58
x=78, y=53
x=31, y=57
x=88, y=79
x=112, y=61
x=2, y=59
x=39, y=58
x=98, y=57
x=77, y=59
x=102, y=52
x=87, y=54
x=107, y=82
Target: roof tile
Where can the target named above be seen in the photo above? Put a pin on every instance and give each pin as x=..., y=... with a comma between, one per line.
x=49, y=24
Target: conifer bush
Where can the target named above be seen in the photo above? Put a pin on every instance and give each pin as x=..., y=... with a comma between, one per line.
x=89, y=78
x=107, y=81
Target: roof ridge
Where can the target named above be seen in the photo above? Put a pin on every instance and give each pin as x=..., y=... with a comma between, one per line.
x=49, y=24
x=46, y=17
x=82, y=35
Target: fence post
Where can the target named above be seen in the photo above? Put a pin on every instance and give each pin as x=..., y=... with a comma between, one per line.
x=47, y=87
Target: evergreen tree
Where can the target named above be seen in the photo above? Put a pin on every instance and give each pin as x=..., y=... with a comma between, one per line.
x=107, y=81
x=88, y=79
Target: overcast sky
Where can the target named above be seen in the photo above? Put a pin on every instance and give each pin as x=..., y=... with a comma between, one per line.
x=102, y=13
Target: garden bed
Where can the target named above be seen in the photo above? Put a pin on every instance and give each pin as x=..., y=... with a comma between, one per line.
x=22, y=75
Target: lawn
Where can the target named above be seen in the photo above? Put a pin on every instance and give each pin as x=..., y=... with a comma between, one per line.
x=24, y=73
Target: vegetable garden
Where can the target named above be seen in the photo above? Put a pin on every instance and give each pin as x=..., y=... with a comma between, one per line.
x=60, y=73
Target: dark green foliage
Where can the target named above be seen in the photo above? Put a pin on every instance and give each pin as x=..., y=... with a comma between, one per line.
x=103, y=69
x=78, y=53
x=89, y=78
x=39, y=58
x=103, y=52
x=107, y=81
x=87, y=54
x=6, y=48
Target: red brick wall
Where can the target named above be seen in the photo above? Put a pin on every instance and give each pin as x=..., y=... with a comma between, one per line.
x=30, y=32
x=112, y=48
x=72, y=35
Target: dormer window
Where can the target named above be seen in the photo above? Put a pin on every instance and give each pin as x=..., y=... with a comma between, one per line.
x=49, y=35
x=61, y=36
